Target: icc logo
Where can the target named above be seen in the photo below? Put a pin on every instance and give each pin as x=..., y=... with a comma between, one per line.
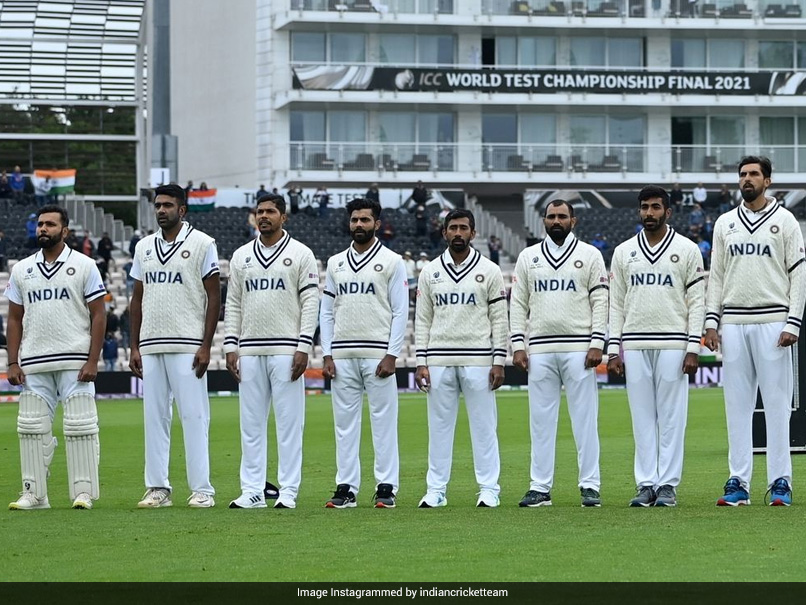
x=148, y=252
x=404, y=80
x=248, y=259
x=633, y=253
x=30, y=269
x=535, y=259
x=732, y=225
x=436, y=273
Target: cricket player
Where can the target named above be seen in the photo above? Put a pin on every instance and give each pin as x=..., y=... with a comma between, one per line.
x=559, y=302
x=270, y=318
x=461, y=339
x=56, y=325
x=756, y=291
x=362, y=324
x=174, y=312
x=657, y=308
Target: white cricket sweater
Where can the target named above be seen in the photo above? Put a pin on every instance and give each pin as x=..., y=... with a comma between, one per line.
x=757, y=269
x=657, y=295
x=174, y=298
x=365, y=308
x=559, y=298
x=461, y=316
x=272, y=299
x=56, y=321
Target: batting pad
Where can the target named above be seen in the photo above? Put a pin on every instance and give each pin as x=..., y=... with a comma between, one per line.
x=37, y=443
x=83, y=447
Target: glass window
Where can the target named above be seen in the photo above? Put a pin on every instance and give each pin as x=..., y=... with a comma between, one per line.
x=435, y=50
x=801, y=55
x=398, y=48
x=777, y=137
x=776, y=55
x=536, y=50
x=726, y=53
x=499, y=128
x=307, y=125
x=588, y=51
x=625, y=52
x=348, y=48
x=727, y=130
x=588, y=130
x=506, y=50
x=397, y=127
x=626, y=130
x=687, y=52
x=347, y=126
x=538, y=128
x=436, y=128
x=307, y=47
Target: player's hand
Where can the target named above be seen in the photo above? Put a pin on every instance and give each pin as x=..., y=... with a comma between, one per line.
x=496, y=377
x=232, y=366
x=136, y=363
x=422, y=378
x=328, y=368
x=298, y=365
x=387, y=367
x=88, y=372
x=691, y=363
x=593, y=358
x=615, y=365
x=201, y=360
x=15, y=375
x=520, y=360
x=787, y=339
x=712, y=339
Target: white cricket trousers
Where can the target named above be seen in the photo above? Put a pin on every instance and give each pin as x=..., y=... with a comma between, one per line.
x=266, y=383
x=657, y=390
x=56, y=386
x=753, y=361
x=168, y=376
x=548, y=372
x=353, y=376
x=443, y=406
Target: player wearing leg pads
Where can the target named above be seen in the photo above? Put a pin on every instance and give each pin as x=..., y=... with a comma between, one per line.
x=37, y=444
x=83, y=448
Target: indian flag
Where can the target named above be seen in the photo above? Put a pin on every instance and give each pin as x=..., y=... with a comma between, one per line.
x=61, y=181
x=201, y=201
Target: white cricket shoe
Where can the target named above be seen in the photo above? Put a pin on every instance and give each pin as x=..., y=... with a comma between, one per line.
x=249, y=501
x=156, y=497
x=487, y=499
x=284, y=501
x=83, y=501
x=27, y=501
x=201, y=500
x=433, y=500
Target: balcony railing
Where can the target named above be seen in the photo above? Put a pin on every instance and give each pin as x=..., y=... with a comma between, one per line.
x=535, y=157
x=376, y=6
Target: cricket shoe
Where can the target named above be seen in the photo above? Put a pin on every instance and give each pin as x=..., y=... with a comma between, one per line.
x=644, y=496
x=285, y=501
x=201, y=500
x=342, y=498
x=735, y=494
x=156, y=497
x=83, y=501
x=590, y=497
x=27, y=501
x=248, y=501
x=384, y=496
x=487, y=499
x=433, y=500
x=534, y=498
x=780, y=493
x=666, y=496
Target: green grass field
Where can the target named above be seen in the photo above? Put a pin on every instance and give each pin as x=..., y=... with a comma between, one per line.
x=116, y=541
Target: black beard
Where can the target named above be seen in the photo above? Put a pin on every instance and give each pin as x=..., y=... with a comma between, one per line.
x=558, y=233
x=362, y=237
x=459, y=245
x=656, y=227
x=748, y=195
x=47, y=242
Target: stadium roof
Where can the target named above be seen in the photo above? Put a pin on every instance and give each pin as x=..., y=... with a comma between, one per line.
x=70, y=49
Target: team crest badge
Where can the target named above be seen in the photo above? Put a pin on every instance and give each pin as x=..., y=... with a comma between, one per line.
x=675, y=258
x=578, y=264
x=186, y=254
x=774, y=229
x=378, y=268
x=71, y=271
x=479, y=278
x=287, y=262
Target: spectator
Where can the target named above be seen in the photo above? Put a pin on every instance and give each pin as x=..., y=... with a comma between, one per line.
x=261, y=192
x=446, y=210
x=322, y=198
x=699, y=195
x=133, y=243
x=71, y=241
x=251, y=223
x=294, y=198
x=697, y=216
x=494, y=244
x=188, y=189
x=87, y=247
x=676, y=196
x=436, y=233
x=5, y=186
x=105, y=247
x=112, y=322
x=42, y=192
x=599, y=242
x=30, y=230
x=127, y=269
x=3, y=253
x=705, y=250
x=708, y=228
x=420, y=194
x=17, y=182
x=411, y=276
x=420, y=221
x=387, y=232
x=421, y=262
x=125, y=330
x=203, y=186
x=725, y=199
x=110, y=352
x=373, y=193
